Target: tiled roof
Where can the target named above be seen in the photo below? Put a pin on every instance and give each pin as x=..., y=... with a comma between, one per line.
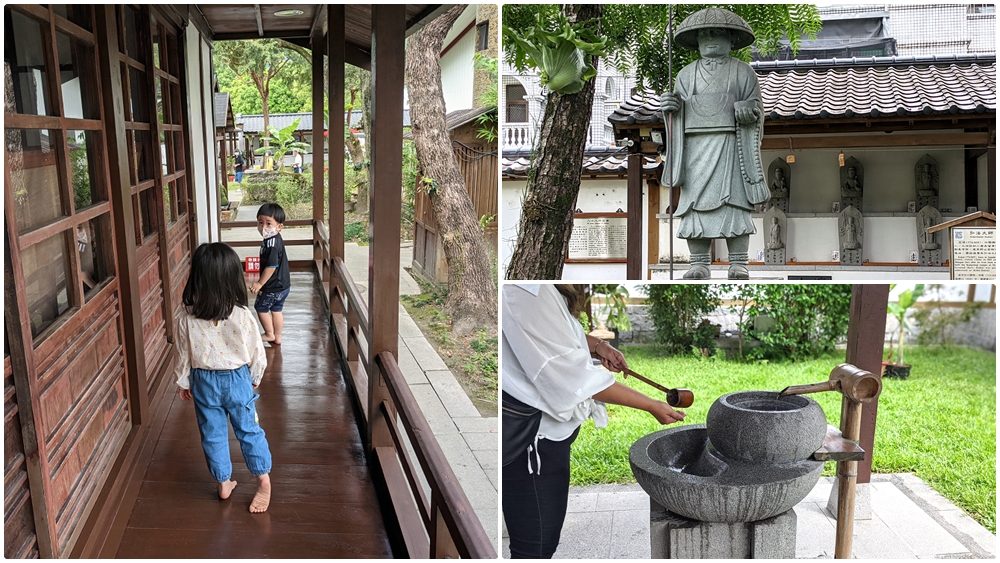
x=604, y=164
x=221, y=108
x=872, y=86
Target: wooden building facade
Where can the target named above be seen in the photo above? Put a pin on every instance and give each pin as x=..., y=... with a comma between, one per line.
x=110, y=181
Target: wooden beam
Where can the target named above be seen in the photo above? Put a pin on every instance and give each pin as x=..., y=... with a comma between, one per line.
x=336, y=41
x=633, y=270
x=318, y=140
x=865, y=340
x=875, y=140
x=652, y=226
x=123, y=215
x=388, y=40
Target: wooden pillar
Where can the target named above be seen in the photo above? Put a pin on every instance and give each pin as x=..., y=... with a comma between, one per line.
x=652, y=225
x=123, y=213
x=336, y=45
x=388, y=48
x=865, y=340
x=991, y=182
x=318, y=50
x=633, y=269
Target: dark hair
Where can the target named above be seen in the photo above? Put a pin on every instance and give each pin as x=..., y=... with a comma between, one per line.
x=215, y=284
x=272, y=210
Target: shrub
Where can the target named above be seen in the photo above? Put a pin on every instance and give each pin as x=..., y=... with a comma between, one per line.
x=676, y=310
x=293, y=189
x=809, y=319
x=356, y=231
x=261, y=187
x=937, y=318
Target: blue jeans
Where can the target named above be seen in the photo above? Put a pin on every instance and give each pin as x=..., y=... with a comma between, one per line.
x=222, y=394
x=271, y=302
x=239, y=176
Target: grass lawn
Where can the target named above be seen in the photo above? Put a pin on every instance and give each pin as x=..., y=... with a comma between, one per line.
x=939, y=424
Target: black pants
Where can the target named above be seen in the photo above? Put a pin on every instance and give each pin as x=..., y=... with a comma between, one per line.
x=534, y=504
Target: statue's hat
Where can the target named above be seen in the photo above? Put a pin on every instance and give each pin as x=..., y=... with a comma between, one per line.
x=687, y=31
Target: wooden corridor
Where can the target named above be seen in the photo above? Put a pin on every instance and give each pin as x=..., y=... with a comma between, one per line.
x=323, y=502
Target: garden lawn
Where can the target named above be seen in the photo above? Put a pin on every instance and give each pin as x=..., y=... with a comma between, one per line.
x=940, y=424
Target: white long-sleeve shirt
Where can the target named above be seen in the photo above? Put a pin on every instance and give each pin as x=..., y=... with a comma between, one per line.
x=547, y=362
x=230, y=344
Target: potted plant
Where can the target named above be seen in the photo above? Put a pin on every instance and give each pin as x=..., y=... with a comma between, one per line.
x=899, y=309
x=614, y=308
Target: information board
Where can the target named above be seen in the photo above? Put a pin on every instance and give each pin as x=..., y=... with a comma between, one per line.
x=599, y=237
x=973, y=253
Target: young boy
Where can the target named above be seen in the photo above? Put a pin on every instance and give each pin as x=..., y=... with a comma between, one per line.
x=274, y=284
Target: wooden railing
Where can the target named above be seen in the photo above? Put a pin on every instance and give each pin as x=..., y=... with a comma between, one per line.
x=435, y=516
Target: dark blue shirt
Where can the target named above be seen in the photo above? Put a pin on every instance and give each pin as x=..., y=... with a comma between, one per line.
x=272, y=255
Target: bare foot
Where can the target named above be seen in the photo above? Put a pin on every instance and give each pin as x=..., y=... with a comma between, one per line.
x=226, y=489
x=263, y=496
x=267, y=337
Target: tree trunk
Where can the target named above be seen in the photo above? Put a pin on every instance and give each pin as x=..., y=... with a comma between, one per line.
x=554, y=179
x=472, y=296
x=366, y=118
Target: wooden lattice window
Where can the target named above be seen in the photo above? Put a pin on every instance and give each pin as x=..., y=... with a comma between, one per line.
x=56, y=172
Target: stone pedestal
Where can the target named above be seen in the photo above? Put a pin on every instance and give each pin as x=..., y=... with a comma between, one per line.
x=930, y=257
x=676, y=537
x=854, y=202
x=779, y=202
x=850, y=257
x=862, y=500
x=775, y=256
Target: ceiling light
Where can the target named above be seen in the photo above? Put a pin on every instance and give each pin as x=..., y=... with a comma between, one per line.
x=288, y=13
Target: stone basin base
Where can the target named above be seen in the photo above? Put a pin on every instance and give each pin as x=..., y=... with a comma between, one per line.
x=680, y=470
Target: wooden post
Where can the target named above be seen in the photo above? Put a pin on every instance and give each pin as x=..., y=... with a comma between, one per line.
x=123, y=214
x=847, y=476
x=991, y=175
x=653, y=226
x=336, y=45
x=386, y=152
x=318, y=49
x=633, y=269
x=865, y=340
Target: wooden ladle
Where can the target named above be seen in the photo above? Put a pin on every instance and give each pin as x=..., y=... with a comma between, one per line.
x=679, y=397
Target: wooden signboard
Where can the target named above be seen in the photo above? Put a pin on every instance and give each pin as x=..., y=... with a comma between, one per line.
x=598, y=237
x=973, y=253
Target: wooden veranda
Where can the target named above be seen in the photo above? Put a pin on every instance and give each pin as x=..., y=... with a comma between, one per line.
x=101, y=460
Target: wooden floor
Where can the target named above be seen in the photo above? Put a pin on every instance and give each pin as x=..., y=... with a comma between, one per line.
x=323, y=503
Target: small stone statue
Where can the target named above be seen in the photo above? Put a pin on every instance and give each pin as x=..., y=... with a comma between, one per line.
x=779, y=188
x=927, y=180
x=774, y=238
x=929, y=243
x=852, y=186
x=851, y=228
x=718, y=121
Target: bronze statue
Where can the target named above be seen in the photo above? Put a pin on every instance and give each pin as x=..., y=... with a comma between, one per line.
x=715, y=147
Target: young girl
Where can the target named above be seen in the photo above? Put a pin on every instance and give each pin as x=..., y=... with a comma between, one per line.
x=220, y=363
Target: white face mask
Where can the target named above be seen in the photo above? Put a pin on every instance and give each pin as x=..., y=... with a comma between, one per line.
x=270, y=232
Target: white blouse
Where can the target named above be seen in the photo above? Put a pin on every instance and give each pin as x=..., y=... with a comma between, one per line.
x=230, y=344
x=547, y=362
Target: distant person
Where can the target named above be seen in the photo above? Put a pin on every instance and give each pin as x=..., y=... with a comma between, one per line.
x=274, y=284
x=220, y=363
x=550, y=387
x=297, y=162
x=238, y=164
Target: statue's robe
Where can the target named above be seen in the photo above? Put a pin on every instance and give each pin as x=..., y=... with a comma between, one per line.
x=716, y=162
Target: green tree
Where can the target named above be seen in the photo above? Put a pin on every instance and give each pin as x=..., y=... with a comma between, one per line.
x=280, y=141
x=635, y=42
x=809, y=319
x=257, y=62
x=676, y=310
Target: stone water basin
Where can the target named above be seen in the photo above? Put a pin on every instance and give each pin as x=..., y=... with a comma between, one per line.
x=761, y=471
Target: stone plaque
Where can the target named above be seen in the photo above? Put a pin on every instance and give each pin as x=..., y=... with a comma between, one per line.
x=851, y=229
x=599, y=238
x=929, y=243
x=973, y=253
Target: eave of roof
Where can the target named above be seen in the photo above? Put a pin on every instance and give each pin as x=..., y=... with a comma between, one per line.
x=613, y=162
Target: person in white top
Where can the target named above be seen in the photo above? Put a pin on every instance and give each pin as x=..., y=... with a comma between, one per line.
x=220, y=363
x=296, y=162
x=550, y=385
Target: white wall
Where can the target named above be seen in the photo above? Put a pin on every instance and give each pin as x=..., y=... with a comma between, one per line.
x=457, y=66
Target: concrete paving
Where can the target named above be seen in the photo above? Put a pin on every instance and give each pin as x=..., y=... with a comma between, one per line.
x=909, y=521
x=468, y=439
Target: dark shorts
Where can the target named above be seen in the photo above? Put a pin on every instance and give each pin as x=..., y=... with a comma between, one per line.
x=271, y=302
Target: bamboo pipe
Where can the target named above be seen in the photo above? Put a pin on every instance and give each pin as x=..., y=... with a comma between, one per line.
x=857, y=386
